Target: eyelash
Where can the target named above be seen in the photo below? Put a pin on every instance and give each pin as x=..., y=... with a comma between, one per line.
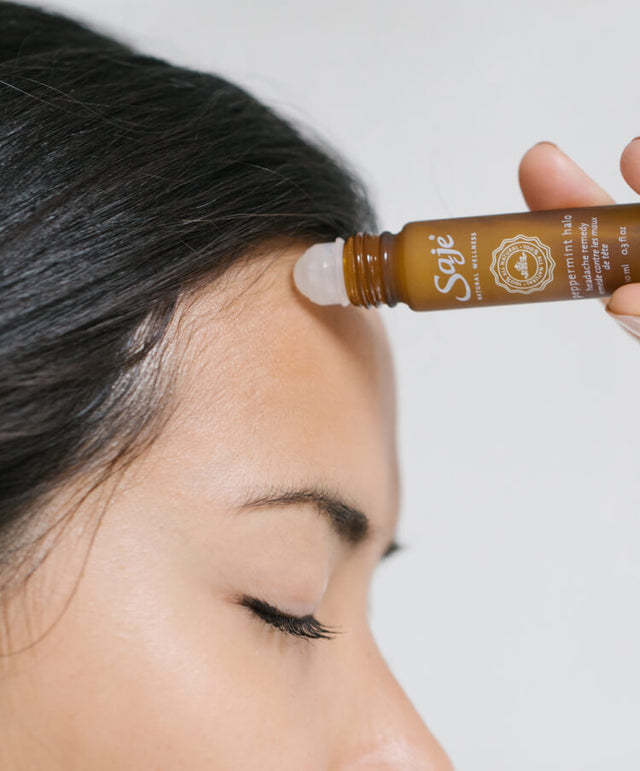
x=307, y=627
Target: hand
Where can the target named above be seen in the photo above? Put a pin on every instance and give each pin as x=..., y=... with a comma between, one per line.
x=549, y=179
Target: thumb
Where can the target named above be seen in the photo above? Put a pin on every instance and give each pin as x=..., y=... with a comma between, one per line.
x=624, y=307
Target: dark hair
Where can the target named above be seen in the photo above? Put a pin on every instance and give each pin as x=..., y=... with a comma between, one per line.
x=125, y=181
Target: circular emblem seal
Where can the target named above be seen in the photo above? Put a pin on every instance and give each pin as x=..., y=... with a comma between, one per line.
x=522, y=264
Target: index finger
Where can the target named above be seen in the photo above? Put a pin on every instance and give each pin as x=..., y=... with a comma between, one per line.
x=549, y=179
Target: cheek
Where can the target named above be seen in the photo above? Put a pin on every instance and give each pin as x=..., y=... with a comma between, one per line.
x=182, y=678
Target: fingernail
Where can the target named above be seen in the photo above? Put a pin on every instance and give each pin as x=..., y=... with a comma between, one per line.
x=546, y=142
x=630, y=323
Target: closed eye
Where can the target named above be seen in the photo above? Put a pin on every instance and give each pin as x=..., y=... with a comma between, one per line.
x=297, y=626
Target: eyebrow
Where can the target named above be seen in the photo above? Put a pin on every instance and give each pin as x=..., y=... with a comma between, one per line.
x=350, y=524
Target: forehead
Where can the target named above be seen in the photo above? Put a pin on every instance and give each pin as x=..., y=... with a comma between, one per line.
x=275, y=390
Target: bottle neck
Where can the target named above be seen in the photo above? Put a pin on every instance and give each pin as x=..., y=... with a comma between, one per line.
x=370, y=269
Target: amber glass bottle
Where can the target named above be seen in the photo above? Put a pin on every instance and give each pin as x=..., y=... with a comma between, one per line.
x=560, y=254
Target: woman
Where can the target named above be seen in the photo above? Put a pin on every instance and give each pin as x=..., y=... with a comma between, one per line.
x=198, y=466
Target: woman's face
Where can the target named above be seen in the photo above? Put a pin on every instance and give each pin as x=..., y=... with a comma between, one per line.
x=163, y=659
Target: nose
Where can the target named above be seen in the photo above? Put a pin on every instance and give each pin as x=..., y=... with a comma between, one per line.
x=379, y=727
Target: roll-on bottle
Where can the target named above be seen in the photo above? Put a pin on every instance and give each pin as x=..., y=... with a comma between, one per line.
x=559, y=254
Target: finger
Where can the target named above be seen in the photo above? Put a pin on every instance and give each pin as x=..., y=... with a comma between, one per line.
x=630, y=164
x=549, y=179
x=625, y=300
x=624, y=307
x=624, y=303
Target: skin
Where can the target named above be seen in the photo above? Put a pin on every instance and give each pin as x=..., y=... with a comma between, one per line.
x=550, y=179
x=140, y=655
x=154, y=664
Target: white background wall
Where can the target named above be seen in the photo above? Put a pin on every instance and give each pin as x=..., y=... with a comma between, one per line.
x=512, y=618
